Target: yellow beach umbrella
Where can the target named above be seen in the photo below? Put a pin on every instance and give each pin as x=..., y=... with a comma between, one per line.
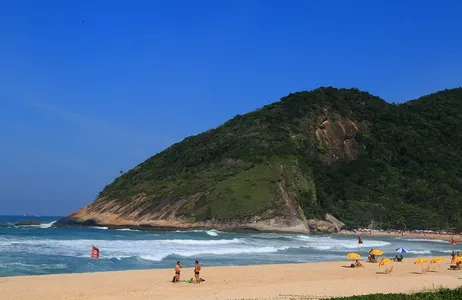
x=353, y=256
x=377, y=252
x=436, y=260
x=385, y=262
x=420, y=261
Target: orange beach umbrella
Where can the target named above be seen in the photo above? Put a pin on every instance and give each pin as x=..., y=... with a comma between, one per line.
x=385, y=262
x=353, y=256
x=420, y=261
x=377, y=252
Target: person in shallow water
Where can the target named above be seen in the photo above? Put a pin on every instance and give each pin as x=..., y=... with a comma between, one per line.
x=197, y=269
x=177, y=271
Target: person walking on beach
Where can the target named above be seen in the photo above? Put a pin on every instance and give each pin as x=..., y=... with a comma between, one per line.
x=177, y=271
x=197, y=269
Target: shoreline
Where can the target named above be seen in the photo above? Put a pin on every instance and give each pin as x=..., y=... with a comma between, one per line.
x=279, y=281
x=150, y=228
x=409, y=235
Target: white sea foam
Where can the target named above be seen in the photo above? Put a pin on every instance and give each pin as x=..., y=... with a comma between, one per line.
x=37, y=266
x=211, y=232
x=201, y=242
x=43, y=225
x=271, y=236
x=327, y=243
x=152, y=257
x=213, y=251
x=449, y=251
x=268, y=247
x=419, y=251
x=46, y=225
x=146, y=249
x=126, y=229
x=234, y=250
x=424, y=240
x=99, y=227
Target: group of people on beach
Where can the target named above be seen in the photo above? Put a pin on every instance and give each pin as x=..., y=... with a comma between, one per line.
x=458, y=264
x=197, y=269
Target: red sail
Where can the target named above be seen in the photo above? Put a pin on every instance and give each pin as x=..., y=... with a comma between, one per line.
x=94, y=252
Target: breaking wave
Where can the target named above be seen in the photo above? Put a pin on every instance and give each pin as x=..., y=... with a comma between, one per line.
x=66, y=250
x=424, y=240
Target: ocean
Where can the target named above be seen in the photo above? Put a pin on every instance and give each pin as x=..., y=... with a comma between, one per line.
x=41, y=249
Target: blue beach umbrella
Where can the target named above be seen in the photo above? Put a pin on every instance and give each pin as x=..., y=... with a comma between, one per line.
x=401, y=250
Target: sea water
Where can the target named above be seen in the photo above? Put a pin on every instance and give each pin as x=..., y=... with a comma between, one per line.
x=42, y=249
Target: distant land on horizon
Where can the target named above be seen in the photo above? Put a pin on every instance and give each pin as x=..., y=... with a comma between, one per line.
x=315, y=161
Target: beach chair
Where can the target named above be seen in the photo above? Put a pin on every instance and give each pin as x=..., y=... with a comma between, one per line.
x=427, y=269
x=389, y=270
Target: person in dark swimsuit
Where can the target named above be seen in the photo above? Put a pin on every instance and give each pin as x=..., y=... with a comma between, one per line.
x=197, y=269
x=177, y=271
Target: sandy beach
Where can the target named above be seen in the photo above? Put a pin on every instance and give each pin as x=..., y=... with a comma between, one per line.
x=288, y=281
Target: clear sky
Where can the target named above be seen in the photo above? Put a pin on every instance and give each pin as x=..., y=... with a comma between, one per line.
x=88, y=88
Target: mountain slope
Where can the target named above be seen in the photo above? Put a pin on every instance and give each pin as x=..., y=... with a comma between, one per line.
x=339, y=151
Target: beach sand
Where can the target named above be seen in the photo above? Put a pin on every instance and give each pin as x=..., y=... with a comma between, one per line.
x=288, y=281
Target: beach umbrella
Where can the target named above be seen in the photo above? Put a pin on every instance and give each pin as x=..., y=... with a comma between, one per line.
x=401, y=250
x=420, y=261
x=377, y=252
x=385, y=262
x=353, y=256
x=436, y=260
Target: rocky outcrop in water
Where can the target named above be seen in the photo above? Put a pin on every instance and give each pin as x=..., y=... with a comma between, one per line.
x=27, y=223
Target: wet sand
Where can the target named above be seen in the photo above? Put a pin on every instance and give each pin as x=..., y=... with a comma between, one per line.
x=287, y=281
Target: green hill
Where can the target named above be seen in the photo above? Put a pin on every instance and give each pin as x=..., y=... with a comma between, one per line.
x=338, y=151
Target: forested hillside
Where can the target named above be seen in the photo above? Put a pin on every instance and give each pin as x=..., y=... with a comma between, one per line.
x=338, y=151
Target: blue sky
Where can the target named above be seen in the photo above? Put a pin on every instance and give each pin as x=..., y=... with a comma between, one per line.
x=80, y=101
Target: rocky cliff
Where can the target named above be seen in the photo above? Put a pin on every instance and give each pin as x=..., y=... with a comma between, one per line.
x=291, y=166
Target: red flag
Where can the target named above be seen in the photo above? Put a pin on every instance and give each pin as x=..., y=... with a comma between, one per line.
x=453, y=242
x=94, y=252
x=360, y=240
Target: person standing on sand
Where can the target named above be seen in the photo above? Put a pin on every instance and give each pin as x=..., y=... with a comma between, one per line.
x=177, y=271
x=197, y=269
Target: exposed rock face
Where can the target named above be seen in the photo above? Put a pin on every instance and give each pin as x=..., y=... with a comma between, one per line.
x=335, y=139
x=86, y=217
x=337, y=223
x=330, y=225
x=319, y=226
x=165, y=214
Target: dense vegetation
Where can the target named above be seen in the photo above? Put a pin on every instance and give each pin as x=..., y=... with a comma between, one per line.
x=410, y=174
x=443, y=294
x=401, y=167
